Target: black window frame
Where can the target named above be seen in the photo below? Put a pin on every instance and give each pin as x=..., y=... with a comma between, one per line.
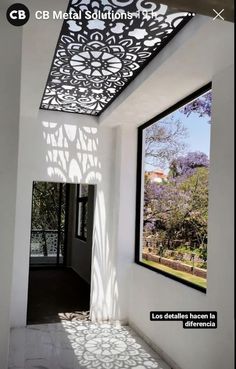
x=84, y=201
x=162, y=115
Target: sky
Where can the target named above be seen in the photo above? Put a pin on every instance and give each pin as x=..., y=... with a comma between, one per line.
x=199, y=130
x=198, y=133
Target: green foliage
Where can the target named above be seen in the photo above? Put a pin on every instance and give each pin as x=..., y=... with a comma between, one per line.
x=48, y=209
x=183, y=275
x=178, y=211
x=45, y=206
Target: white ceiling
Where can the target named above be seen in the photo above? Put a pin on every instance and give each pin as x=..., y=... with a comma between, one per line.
x=202, y=49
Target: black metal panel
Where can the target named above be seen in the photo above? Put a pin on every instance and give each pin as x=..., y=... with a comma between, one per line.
x=96, y=59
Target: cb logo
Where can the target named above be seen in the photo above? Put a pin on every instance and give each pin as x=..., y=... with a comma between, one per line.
x=18, y=14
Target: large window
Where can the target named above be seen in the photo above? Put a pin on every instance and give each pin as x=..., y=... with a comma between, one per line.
x=172, y=190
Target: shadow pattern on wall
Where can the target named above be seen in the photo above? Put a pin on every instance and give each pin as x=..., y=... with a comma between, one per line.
x=73, y=155
x=72, y=152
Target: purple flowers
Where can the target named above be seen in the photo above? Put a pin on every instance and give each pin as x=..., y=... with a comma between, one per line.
x=186, y=165
x=201, y=106
x=179, y=207
x=176, y=205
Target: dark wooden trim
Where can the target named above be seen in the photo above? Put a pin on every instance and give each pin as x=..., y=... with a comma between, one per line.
x=59, y=224
x=79, y=200
x=67, y=195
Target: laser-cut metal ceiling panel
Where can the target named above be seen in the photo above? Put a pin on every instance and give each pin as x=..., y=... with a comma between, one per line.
x=95, y=59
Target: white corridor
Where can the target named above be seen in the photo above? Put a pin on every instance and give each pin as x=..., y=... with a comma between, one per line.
x=80, y=345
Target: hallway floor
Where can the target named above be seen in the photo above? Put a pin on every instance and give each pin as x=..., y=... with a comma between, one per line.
x=53, y=292
x=80, y=345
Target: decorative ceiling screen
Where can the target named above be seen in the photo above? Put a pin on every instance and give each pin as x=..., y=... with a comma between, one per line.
x=102, y=47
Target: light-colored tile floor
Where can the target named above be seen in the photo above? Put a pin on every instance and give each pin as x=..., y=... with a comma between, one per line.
x=80, y=345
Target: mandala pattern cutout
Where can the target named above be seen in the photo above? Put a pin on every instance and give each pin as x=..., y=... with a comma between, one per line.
x=96, y=59
x=106, y=346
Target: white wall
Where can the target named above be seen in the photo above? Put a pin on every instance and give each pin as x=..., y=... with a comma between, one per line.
x=75, y=148
x=191, y=60
x=205, y=349
x=56, y=146
x=10, y=63
x=202, y=52
x=123, y=202
x=75, y=151
x=188, y=62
